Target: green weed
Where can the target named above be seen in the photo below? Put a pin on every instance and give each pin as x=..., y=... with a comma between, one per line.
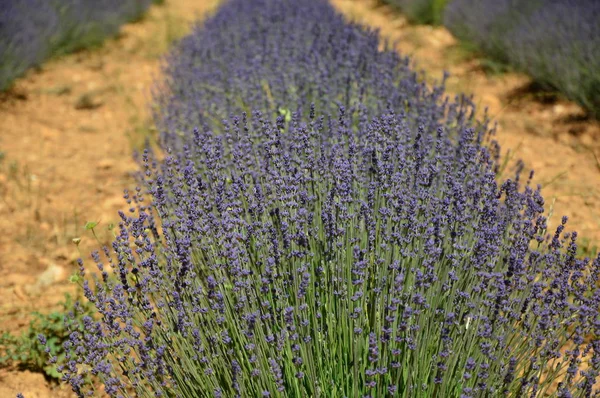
x=427, y=12
x=25, y=351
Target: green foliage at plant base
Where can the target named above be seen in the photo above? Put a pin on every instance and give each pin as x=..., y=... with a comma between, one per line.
x=421, y=11
x=27, y=352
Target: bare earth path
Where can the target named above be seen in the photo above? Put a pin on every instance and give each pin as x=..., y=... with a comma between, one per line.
x=67, y=134
x=553, y=139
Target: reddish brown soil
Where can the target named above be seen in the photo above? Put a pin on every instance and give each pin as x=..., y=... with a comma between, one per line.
x=67, y=133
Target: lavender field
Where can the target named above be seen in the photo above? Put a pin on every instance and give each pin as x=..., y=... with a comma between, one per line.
x=556, y=42
x=33, y=30
x=308, y=213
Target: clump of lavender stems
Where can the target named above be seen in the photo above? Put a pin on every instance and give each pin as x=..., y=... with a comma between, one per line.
x=310, y=258
x=33, y=30
x=279, y=55
x=556, y=42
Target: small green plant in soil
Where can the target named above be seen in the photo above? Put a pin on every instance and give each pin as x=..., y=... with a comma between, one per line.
x=26, y=351
x=421, y=11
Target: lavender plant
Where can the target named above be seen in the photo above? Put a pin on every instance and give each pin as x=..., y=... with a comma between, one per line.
x=314, y=258
x=556, y=42
x=33, y=30
x=567, y=49
x=277, y=55
x=483, y=25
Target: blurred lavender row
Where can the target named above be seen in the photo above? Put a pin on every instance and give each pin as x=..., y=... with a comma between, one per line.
x=33, y=30
x=557, y=42
x=277, y=56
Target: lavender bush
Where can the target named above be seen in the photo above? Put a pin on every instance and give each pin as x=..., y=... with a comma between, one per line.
x=482, y=24
x=313, y=259
x=557, y=42
x=276, y=55
x=566, y=39
x=357, y=247
x=22, y=36
x=33, y=30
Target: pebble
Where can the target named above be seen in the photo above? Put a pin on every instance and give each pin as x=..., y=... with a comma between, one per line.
x=558, y=109
x=53, y=274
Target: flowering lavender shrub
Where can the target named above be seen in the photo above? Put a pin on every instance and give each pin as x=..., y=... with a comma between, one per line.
x=557, y=42
x=483, y=24
x=421, y=11
x=314, y=258
x=566, y=37
x=26, y=351
x=33, y=30
x=276, y=55
x=22, y=36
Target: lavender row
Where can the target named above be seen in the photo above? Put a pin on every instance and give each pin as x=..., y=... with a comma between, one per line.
x=357, y=247
x=310, y=258
x=33, y=30
x=277, y=55
x=556, y=42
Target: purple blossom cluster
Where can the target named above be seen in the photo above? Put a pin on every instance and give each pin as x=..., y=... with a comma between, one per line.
x=278, y=55
x=33, y=30
x=557, y=42
x=335, y=240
